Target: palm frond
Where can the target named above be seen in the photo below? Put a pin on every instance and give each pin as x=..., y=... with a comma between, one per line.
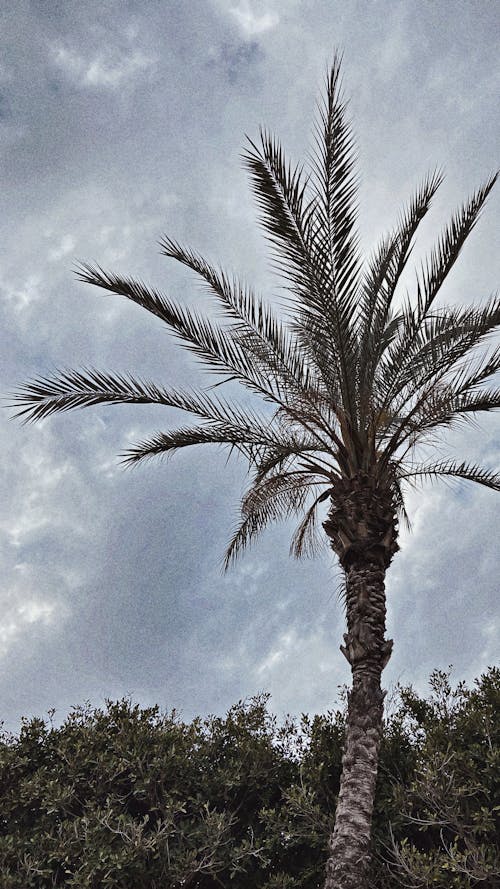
x=275, y=498
x=305, y=261
x=165, y=443
x=453, y=470
x=283, y=363
x=215, y=346
x=306, y=540
x=401, y=354
x=335, y=188
x=225, y=351
x=376, y=331
x=68, y=390
x=318, y=341
x=269, y=461
x=256, y=324
x=449, y=337
x=286, y=215
x=476, y=371
x=451, y=405
x=445, y=409
x=445, y=254
x=245, y=532
x=290, y=486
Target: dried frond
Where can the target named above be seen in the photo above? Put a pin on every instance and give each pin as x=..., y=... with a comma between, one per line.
x=277, y=497
x=306, y=539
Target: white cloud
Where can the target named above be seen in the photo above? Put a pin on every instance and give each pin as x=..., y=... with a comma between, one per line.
x=42, y=476
x=24, y=294
x=31, y=612
x=303, y=669
x=21, y=610
x=488, y=654
x=286, y=643
x=108, y=69
x=251, y=22
x=39, y=471
x=66, y=245
x=394, y=53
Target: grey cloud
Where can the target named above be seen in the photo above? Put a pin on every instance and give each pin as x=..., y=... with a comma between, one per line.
x=235, y=59
x=113, y=581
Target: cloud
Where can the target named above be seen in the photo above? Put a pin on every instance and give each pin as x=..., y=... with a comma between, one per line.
x=235, y=59
x=107, y=69
x=38, y=589
x=67, y=245
x=21, y=613
x=251, y=22
x=113, y=578
x=304, y=666
x=23, y=294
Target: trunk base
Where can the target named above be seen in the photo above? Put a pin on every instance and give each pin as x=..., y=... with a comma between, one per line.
x=349, y=862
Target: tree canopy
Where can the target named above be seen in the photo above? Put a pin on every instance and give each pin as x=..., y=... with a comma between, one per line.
x=360, y=376
x=124, y=796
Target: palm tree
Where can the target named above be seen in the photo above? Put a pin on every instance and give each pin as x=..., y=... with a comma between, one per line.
x=360, y=379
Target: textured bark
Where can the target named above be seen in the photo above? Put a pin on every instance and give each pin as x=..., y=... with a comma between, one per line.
x=362, y=528
x=362, y=523
x=367, y=652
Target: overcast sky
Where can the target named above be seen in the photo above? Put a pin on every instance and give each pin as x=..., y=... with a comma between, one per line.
x=123, y=121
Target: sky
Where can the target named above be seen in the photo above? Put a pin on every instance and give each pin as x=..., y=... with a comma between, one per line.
x=124, y=121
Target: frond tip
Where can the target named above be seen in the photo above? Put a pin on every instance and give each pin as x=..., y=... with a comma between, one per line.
x=453, y=470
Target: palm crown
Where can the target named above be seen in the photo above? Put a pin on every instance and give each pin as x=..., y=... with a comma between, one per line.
x=358, y=377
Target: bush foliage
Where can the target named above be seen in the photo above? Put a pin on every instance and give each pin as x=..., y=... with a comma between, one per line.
x=126, y=797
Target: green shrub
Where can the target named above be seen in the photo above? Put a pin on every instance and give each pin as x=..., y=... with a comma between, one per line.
x=126, y=797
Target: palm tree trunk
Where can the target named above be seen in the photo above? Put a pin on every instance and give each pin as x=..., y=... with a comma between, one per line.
x=362, y=527
x=367, y=652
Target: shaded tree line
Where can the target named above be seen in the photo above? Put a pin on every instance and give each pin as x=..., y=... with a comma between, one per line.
x=127, y=796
